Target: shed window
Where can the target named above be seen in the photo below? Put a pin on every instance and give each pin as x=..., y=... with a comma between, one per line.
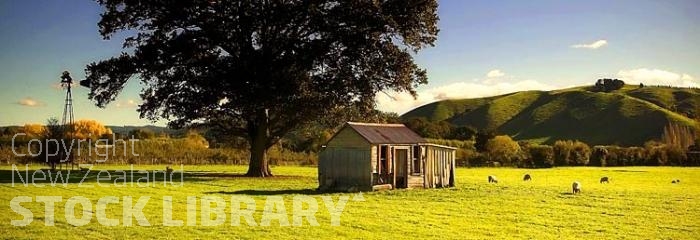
x=416, y=159
x=384, y=164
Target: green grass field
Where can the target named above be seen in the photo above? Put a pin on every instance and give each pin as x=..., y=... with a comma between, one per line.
x=639, y=203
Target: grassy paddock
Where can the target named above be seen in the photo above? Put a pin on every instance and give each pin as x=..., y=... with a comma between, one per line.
x=640, y=202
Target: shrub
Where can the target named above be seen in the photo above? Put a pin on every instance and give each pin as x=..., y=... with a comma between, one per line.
x=615, y=156
x=571, y=153
x=478, y=160
x=598, y=157
x=465, y=157
x=676, y=155
x=542, y=156
x=635, y=156
x=580, y=154
x=503, y=149
x=562, y=152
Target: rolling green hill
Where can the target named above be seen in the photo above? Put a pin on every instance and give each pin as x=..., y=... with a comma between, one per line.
x=629, y=116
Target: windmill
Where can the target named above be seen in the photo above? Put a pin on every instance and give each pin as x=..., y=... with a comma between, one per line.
x=67, y=122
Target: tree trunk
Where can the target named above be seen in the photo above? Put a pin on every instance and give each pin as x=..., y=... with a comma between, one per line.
x=258, y=165
x=259, y=137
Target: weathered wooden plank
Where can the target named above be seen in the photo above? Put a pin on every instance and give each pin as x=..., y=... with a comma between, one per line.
x=374, y=156
x=381, y=187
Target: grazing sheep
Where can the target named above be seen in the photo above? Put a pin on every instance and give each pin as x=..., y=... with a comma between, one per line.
x=604, y=180
x=493, y=179
x=576, y=187
x=527, y=177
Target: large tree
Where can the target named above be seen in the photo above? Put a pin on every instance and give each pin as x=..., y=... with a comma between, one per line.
x=259, y=68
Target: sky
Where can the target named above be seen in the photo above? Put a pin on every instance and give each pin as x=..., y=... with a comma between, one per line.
x=484, y=48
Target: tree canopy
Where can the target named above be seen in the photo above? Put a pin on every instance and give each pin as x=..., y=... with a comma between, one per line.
x=503, y=149
x=609, y=85
x=87, y=128
x=261, y=68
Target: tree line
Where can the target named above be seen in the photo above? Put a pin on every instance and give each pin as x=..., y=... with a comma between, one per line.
x=204, y=144
x=191, y=147
x=678, y=146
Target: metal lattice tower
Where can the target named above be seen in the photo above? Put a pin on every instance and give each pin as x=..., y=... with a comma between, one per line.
x=67, y=123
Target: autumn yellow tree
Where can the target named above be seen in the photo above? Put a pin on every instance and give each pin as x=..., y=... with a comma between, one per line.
x=194, y=139
x=679, y=135
x=34, y=129
x=92, y=129
x=503, y=149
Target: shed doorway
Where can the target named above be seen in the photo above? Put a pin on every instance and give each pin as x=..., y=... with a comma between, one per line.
x=401, y=159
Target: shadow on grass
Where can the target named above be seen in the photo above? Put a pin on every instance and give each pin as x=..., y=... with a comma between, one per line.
x=106, y=176
x=271, y=192
x=623, y=170
x=252, y=192
x=206, y=174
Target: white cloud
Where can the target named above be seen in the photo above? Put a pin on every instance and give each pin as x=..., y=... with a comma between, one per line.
x=403, y=102
x=593, y=45
x=127, y=104
x=687, y=77
x=495, y=73
x=29, y=102
x=657, y=77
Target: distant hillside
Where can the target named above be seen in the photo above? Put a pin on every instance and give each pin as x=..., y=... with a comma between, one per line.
x=124, y=130
x=629, y=116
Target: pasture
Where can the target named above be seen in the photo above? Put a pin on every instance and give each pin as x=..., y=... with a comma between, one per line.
x=639, y=202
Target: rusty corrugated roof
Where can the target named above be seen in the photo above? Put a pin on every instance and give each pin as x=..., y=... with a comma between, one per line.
x=376, y=133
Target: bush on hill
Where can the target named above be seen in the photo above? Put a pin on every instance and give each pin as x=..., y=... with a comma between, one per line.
x=608, y=85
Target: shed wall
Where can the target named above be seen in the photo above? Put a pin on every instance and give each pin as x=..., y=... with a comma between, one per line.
x=347, y=137
x=342, y=168
x=439, y=167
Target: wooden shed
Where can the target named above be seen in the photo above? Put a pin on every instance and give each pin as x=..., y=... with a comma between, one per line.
x=368, y=156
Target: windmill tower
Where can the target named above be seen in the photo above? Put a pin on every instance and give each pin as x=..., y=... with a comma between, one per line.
x=67, y=122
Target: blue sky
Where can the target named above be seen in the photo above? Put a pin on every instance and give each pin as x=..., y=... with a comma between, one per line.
x=484, y=48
